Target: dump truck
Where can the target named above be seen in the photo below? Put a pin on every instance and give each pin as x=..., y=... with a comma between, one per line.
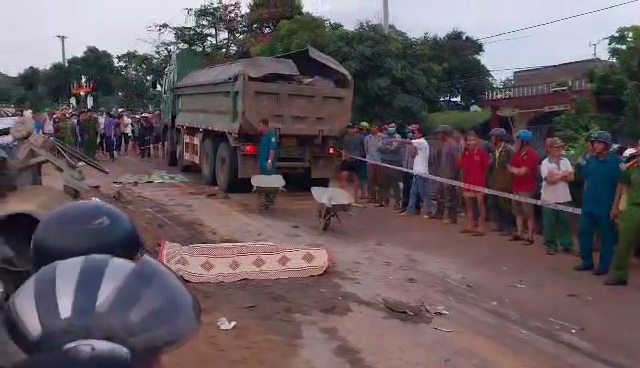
x=210, y=115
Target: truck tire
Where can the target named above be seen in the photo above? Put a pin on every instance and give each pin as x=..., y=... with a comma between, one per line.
x=170, y=147
x=208, y=160
x=180, y=152
x=227, y=168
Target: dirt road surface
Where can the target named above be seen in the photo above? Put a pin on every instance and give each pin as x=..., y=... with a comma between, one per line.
x=509, y=305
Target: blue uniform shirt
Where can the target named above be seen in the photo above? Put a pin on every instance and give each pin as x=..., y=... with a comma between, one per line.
x=268, y=143
x=601, y=180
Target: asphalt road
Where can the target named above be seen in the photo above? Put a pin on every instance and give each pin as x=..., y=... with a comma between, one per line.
x=508, y=305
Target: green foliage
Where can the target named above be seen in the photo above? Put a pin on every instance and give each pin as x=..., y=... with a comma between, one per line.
x=576, y=125
x=617, y=90
x=457, y=119
x=397, y=77
x=265, y=15
x=296, y=34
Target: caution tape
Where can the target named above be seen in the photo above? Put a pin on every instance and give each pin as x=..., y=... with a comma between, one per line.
x=459, y=184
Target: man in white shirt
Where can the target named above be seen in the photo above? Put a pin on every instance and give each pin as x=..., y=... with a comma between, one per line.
x=556, y=172
x=420, y=184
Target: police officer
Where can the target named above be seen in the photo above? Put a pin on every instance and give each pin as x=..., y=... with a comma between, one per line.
x=601, y=173
x=500, y=180
x=99, y=305
x=628, y=216
x=82, y=228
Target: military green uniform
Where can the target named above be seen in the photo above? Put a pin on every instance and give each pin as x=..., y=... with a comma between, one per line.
x=500, y=180
x=628, y=224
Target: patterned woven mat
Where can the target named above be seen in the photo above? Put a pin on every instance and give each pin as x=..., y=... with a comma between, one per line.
x=229, y=262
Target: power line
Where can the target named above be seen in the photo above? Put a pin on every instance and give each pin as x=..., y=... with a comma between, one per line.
x=559, y=20
x=506, y=39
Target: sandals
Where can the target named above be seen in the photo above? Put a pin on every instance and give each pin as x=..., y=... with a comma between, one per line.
x=528, y=241
x=516, y=237
x=466, y=231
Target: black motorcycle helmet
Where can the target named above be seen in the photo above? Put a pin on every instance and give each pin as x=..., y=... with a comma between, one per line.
x=82, y=228
x=99, y=305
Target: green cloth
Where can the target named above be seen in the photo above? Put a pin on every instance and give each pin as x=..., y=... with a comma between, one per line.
x=630, y=178
x=628, y=223
x=90, y=139
x=66, y=133
x=557, y=228
x=629, y=226
x=499, y=177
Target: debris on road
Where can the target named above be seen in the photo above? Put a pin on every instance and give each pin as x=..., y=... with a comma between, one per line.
x=156, y=177
x=399, y=306
x=225, y=324
x=442, y=329
x=572, y=327
x=437, y=310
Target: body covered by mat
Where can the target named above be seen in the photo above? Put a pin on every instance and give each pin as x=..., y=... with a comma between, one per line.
x=229, y=262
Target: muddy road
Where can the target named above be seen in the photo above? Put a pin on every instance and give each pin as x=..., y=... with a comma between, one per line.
x=508, y=305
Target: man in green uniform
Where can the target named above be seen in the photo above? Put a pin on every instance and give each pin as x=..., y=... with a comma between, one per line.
x=268, y=156
x=628, y=220
x=500, y=180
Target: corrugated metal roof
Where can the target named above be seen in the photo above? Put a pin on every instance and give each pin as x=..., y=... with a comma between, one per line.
x=254, y=68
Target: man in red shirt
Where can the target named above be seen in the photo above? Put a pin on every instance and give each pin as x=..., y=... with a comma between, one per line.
x=524, y=167
x=474, y=163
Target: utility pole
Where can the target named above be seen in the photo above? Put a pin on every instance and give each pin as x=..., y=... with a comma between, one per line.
x=385, y=15
x=595, y=48
x=62, y=39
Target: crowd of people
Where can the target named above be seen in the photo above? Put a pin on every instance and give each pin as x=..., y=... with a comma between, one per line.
x=508, y=164
x=111, y=133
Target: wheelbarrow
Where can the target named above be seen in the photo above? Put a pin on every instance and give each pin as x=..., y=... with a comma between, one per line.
x=267, y=187
x=331, y=203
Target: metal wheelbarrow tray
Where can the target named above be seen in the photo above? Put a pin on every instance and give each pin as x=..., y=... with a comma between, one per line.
x=331, y=202
x=267, y=187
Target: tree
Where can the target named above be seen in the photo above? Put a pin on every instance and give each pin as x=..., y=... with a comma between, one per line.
x=215, y=28
x=617, y=90
x=394, y=77
x=138, y=74
x=9, y=89
x=295, y=34
x=56, y=81
x=97, y=66
x=265, y=15
x=464, y=75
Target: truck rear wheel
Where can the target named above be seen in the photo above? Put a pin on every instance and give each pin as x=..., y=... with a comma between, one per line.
x=226, y=168
x=208, y=160
x=180, y=152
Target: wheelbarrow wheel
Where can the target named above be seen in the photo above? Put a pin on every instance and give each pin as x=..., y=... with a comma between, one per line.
x=324, y=218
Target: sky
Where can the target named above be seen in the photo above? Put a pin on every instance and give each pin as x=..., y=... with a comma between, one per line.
x=120, y=25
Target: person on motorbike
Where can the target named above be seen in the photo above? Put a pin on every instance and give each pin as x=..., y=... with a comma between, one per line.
x=103, y=306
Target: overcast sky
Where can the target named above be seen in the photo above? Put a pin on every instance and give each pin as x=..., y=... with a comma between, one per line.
x=120, y=25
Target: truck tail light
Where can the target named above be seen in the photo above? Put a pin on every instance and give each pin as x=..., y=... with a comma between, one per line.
x=250, y=149
x=332, y=151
